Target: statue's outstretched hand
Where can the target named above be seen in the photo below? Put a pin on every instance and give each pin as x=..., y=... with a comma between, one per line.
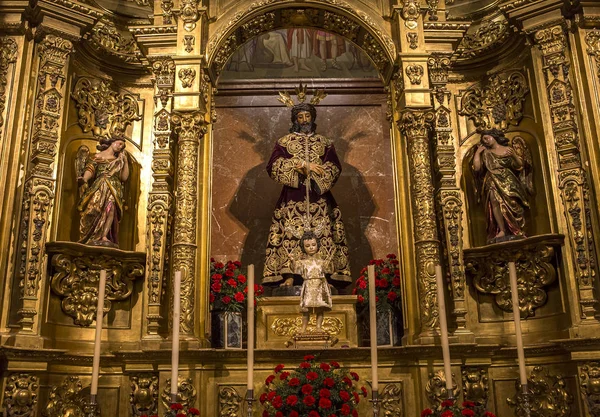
x=318, y=169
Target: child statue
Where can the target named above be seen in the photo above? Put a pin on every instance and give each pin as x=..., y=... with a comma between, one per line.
x=315, y=294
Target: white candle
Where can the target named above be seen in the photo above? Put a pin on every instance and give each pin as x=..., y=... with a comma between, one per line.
x=98, y=339
x=514, y=291
x=175, y=347
x=443, y=328
x=250, y=304
x=373, y=327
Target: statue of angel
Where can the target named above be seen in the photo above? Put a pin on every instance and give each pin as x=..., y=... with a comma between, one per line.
x=504, y=178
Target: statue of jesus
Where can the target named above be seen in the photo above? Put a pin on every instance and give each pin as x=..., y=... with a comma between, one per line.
x=307, y=166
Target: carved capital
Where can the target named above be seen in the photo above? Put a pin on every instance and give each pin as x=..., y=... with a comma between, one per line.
x=589, y=382
x=76, y=274
x=144, y=394
x=55, y=50
x=546, y=395
x=551, y=40
x=186, y=393
x=534, y=259
x=436, y=390
x=475, y=383
x=20, y=395
x=498, y=102
x=189, y=126
x=416, y=123
x=438, y=65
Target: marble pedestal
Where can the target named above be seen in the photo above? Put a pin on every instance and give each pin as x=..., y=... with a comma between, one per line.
x=279, y=319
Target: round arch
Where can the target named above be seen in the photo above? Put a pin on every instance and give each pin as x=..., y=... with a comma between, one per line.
x=335, y=17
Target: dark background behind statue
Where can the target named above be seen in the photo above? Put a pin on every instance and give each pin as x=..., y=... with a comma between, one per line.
x=244, y=196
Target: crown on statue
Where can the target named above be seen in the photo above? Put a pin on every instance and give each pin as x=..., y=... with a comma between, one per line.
x=286, y=99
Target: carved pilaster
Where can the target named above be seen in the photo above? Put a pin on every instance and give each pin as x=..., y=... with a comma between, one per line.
x=449, y=196
x=589, y=382
x=190, y=128
x=20, y=395
x=38, y=198
x=573, y=179
x=415, y=126
x=160, y=201
x=592, y=39
x=8, y=56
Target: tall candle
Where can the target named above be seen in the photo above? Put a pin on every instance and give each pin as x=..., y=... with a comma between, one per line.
x=443, y=328
x=514, y=291
x=175, y=347
x=373, y=326
x=98, y=339
x=250, y=304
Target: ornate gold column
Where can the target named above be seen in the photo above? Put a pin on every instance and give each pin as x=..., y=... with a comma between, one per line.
x=554, y=71
x=160, y=204
x=190, y=128
x=415, y=126
x=53, y=57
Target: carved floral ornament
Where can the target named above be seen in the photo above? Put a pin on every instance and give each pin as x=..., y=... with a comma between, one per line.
x=344, y=20
x=589, y=382
x=230, y=402
x=8, y=55
x=103, y=110
x=497, y=103
x=187, y=77
x=67, y=399
x=186, y=393
x=414, y=72
x=20, y=395
x=144, y=394
x=547, y=395
x=592, y=39
x=106, y=38
x=436, y=390
x=489, y=34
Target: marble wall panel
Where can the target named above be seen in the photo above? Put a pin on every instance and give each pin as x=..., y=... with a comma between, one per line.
x=244, y=196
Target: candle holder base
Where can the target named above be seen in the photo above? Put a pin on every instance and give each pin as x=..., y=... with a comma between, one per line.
x=91, y=407
x=250, y=400
x=375, y=401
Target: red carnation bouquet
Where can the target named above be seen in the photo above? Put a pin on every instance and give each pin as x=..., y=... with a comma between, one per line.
x=312, y=390
x=228, y=287
x=387, y=284
x=449, y=408
x=178, y=410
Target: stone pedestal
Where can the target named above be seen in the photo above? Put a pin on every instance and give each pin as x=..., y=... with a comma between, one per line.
x=279, y=318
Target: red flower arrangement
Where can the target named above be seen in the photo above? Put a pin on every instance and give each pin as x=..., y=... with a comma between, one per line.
x=178, y=410
x=387, y=284
x=312, y=390
x=449, y=408
x=228, y=287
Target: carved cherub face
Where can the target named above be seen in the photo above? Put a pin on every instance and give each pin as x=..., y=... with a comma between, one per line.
x=310, y=246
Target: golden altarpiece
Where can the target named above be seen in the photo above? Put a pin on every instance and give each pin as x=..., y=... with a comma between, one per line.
x=422, y=80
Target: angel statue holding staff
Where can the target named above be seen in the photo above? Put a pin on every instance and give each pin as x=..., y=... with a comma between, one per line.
x=307, y=166
x=504, y=179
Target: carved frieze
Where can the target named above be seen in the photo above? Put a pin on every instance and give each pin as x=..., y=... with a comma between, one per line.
x=20, y=395
x=436, y=390
x=8, y=56
x=589, y=383
x=534, y=259
x=103, y=110
x=547, y=395
x=290, y=326
x=497, y=103
x=391, y=400
x=38, y=195
x=144, y=394
x=76, y=273
x=230, y=402
x=186, y=393
x=67, y=399
x=475, y=384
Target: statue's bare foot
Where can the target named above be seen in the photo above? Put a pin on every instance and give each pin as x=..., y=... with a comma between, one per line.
x=288, y=282
x=500, y=234
x=305, y=67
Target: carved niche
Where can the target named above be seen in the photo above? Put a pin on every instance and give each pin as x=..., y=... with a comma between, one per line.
x=436, y=390
x=487, y=267
x=103, y=110
x=497, y=103
x=144, y=394
x=589, y=382
x=20, y=395
x=546, y=396
x=75, y=270
x=186, y=393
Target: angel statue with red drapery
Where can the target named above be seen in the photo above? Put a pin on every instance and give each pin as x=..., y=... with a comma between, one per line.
x=307, y=166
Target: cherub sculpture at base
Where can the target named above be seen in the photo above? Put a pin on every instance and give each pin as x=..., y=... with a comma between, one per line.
x=503, y=176
x=315, y=295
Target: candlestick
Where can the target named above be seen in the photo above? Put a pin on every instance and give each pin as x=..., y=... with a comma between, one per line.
x=98, y=338
x=514, y=291
x=373, y=327
x=175, y=346
x=444, y=329
x=250, y=304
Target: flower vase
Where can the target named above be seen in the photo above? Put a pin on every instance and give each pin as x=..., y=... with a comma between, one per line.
x=226, y=329
x=387, y=325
